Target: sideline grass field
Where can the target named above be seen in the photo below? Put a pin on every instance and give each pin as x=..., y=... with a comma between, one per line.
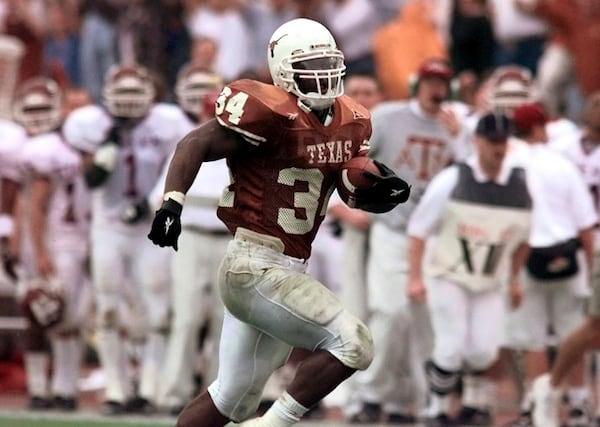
x=25, y=419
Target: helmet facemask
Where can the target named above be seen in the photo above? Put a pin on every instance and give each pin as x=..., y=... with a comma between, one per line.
x=38, y=106
x=195, y=88
x=304, y=60
x=315, y=77
x=128, y=93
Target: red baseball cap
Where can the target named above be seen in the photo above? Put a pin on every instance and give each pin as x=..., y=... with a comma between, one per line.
x=528, y=115
x=436, y=67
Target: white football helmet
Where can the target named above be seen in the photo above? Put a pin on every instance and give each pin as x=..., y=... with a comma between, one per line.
x=128, y=91
x=511, y=86
x=38, y=105
x=194, y=84
x=304, y=60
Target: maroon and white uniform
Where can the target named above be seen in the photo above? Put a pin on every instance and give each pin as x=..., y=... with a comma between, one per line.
x=12, y=140
x=65, y=240
x=128, y=272
x=274, y=206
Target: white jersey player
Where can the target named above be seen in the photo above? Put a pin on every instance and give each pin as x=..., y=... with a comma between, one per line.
x=54, y=221
x=195, y=300
x=13, y=139
x=479, y=213
x=417, y=139
x=127, y=143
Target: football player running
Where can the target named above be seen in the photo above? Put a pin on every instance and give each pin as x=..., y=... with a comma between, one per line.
x=126, y=143
x=284, y=145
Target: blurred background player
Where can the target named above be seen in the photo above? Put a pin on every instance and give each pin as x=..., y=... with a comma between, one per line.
x=126, y=143
x=479, y=210
x=417, y=139
x=55, y=220
x=195, y=300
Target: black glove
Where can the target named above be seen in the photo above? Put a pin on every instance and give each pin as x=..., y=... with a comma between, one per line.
x=136, y=212
x=105, y=160
x=166, y=226
x=112, y=136
x=388, y=191
x=9, y=261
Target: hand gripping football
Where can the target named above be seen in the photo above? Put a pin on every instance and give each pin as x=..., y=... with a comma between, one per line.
x=352, y=177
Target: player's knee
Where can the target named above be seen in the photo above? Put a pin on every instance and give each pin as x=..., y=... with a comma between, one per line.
x=441, y=381
x=354, y=346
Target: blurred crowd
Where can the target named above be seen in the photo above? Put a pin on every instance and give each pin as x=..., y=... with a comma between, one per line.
x=494, y=55
x=76, y=41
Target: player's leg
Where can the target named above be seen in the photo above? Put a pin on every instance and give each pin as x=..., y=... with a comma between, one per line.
x=448, y=305
x=270, y=291
x=526, y=330
x=481, y=350
x=151, y=269
x=567, y=312
x=247, y=358
x=66, y=338
x=108, y=275
x=389, y=321
x=353, y=294
x=186, y=302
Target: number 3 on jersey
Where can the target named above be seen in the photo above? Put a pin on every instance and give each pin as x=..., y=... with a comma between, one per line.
x=234, y=105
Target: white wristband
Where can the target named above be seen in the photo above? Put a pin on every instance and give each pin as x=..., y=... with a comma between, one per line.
x=176, y=196
x=106, y=157
x=6, y=225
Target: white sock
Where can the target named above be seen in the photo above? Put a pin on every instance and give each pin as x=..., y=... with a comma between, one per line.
x=36, y=368
x=478, y=392
x=438, y=404
x=285, y=412
x=578, y=397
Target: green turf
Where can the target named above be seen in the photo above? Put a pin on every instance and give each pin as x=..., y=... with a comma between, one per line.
x=24, y=420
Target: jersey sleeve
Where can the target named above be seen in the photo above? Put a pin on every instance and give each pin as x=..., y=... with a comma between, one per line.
x=243, y=107
x=86, y=128
x=426, y=217
x=48, y=156
x=14, y=139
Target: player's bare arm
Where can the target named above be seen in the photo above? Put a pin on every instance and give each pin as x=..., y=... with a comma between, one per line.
x=208, y=142
x=519, y=257
x=416, y=289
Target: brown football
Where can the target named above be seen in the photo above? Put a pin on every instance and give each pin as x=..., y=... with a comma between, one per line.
x=351, y=176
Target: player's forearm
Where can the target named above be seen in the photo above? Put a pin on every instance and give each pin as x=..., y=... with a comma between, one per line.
x=586, y=238
x=416, y=250
x=519, y=257
x=10, y=190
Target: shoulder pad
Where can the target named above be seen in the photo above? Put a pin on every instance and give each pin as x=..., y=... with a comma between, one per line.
x=168, y=122
x=250, y=108
x=86, y=127
x=13, y=139
x=359, y=112
x=47, y=154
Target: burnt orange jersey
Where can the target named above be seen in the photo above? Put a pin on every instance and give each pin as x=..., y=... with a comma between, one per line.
x=282, y=187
